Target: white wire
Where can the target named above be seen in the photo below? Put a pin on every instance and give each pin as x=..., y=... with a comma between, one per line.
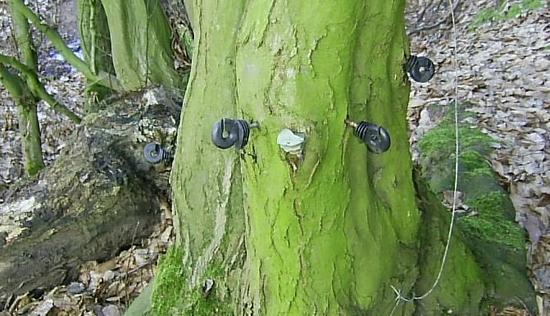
x=454, y=62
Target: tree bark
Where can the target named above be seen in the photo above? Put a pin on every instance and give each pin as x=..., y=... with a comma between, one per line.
x=96, y=45
x=94, y=35
x=324, y=235
x=141, y=44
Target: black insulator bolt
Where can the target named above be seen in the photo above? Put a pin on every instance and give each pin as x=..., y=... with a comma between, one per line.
x=227, y=133
x=376, y=137
x=155, y=153
x=421, y=69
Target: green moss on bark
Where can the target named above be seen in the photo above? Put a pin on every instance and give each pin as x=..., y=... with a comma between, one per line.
x=170, y=284
x=173, y=296
x=330, y=232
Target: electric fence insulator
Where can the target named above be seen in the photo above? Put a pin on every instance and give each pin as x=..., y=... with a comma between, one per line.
x=227, y=133
x=376, y=137
x=421, y=69
x=155, y=153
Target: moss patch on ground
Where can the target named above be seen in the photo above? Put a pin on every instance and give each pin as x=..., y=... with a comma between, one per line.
x=437, y=157
x=460, y=290
x=492, y=224
x=494, y=221
x=505, y=12
x=488, y=229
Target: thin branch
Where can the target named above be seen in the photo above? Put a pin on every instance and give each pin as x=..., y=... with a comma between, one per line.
x=13, y=84
x=29, y=126
x=438, y=23
x=37, y=88
x=102, y=78
x=23, y=38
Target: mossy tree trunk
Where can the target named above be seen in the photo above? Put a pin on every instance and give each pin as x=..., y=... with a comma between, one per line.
x=326, y=233
x=131, y=38
x=96, y=45
x=327, y=237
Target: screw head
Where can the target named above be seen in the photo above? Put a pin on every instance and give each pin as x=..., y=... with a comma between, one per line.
x=421, y=69
x=153, y=153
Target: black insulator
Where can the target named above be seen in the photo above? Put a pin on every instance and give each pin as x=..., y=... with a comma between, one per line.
x=421, y=69
x=155, y=153
x=228, y=133
x=376, y=137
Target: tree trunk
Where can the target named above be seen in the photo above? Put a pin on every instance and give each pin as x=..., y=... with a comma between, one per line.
x=141, y=41
x=94, y=35
x=327, y=231
x=96, y=45
x=323, y=235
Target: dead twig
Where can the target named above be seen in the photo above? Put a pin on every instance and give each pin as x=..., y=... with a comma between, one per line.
x=438, y=23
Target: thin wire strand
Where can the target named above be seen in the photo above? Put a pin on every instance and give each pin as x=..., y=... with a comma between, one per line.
x=457, y=147
x=399, y=297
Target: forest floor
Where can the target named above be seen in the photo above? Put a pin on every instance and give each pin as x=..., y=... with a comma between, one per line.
x=503, y=70
x=503, y=56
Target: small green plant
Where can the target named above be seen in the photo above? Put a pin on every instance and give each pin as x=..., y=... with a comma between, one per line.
x=506, y=12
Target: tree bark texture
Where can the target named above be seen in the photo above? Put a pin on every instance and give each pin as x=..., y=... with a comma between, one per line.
x=100, y=196
x=95, y=37
x=327, y=231
x=96, y=45
x=322, y=232
x=141, y=41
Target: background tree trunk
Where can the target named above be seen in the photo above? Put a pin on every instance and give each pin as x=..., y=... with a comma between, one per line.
x=96, y=45
x=141, y=44
x=95, y=36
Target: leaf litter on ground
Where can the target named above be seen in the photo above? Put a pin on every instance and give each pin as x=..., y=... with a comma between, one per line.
x=504, y=75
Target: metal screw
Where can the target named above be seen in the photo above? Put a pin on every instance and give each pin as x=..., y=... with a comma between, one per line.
x=227, y=133
x=421, y=69
x=376, y=137
x=155, y=153
x=207, y=287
